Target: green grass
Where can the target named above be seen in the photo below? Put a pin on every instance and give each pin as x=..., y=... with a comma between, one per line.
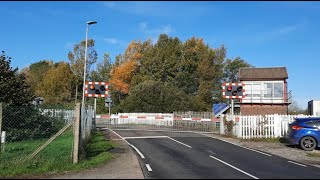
x=313, y=154
x=55, y=158
x=271, y=140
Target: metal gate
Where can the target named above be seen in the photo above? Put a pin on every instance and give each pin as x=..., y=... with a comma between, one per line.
x=158, y=121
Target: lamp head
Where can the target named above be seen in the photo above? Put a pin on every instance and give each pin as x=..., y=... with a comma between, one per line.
x=91, y=22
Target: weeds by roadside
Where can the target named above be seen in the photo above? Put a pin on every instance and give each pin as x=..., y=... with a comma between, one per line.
x=314, y=153
x=55, y=158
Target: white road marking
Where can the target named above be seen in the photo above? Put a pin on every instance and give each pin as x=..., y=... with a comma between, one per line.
x=297, y=164
x=234, y=167
x=180, y=142
x=137, y=150
x=145, y=137
x=115, y=133
x=239, y=145
x=148, y=167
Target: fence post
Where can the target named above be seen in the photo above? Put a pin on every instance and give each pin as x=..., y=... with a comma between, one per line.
x=239, y=130
x=76, y=133
x=222, y=124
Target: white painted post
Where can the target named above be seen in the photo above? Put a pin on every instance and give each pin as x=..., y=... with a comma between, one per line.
x=3, y=140
x=277, y=126
x=239, y=132
x=221, y=124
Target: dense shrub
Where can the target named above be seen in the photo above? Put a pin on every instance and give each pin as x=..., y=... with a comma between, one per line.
x=27, y=122
x=157, y=97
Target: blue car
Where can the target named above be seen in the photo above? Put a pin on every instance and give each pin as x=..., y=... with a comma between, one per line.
x=305, y=132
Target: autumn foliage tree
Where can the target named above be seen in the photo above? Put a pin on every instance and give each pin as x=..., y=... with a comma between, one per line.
x=35, y=73
x=122, y=74
x=57, y=84
x=192, y=68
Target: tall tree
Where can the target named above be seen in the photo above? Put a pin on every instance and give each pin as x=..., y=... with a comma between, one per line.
x=159, y=62
x=57, y=84
x=35, y=74
x=77, y=57
x=232, y=67
x=156, y=97
x=121, y=76
x=13, y=86
x=103, y=69
x=123, y=72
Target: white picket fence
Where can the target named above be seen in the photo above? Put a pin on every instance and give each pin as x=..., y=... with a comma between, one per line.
x=267, y=126
x=68, y=115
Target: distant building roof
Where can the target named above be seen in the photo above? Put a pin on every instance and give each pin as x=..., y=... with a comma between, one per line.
x=263, y=73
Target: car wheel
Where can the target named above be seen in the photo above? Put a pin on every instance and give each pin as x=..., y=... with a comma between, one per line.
x=308, y=143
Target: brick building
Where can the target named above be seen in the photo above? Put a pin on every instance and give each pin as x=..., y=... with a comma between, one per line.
x=266, y=91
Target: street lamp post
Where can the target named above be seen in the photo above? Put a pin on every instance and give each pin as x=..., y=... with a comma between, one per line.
x=85, y=61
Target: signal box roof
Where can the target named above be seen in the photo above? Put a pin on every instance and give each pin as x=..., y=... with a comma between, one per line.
x=272, y=73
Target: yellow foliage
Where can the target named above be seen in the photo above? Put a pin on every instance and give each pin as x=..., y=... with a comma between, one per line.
x=56, y=84
x=121, y=76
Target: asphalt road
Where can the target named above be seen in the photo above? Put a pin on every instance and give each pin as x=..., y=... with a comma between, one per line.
x=187, y=155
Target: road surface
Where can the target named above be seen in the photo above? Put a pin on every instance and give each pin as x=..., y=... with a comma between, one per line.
x=168, y=155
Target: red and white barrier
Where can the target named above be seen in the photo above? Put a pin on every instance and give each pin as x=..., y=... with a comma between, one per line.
x=157, y=117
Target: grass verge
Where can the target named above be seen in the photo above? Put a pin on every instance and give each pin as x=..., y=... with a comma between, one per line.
x=315, y=153
x=271, y=140
x=55, y=158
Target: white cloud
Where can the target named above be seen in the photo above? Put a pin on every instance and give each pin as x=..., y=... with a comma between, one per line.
x=68, y=45
x=273, y=33
x=166, y=29
x=164, y=9
x=285, y=30
x=154, y=33
x=112, y=40
x=143, y=25
x=115, y=41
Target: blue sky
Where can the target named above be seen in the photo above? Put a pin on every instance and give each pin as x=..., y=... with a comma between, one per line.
x=265, y=34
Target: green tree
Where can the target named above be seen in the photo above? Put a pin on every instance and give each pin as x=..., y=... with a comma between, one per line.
x=232, y=67
x=159, y=63
x=155, y=96
x=35, y=73
x=103, y=69
x=13, y=86
x=76, y=58
x=57, y=84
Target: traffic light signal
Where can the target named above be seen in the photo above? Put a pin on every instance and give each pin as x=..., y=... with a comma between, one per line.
x=233, y=90
x=96, y=89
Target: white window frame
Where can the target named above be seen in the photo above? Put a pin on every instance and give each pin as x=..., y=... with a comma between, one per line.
x=262, y=85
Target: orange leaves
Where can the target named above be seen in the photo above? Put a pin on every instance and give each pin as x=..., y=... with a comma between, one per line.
x=121, y=76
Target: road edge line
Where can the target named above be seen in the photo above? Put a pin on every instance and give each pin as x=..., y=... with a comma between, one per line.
x=234, y=167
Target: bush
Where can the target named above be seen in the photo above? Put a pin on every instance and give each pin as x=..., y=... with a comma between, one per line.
x=229, y=125
x=27, y=122
x=157, y=97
